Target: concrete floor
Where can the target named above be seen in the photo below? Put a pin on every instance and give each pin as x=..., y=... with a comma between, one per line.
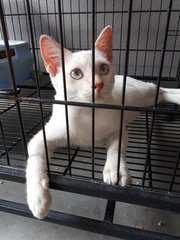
x=21, y=228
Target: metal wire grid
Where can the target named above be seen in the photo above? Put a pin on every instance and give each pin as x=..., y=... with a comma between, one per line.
x=153, y=150
x=94, y=5
x=164, y=146
x=148, y=29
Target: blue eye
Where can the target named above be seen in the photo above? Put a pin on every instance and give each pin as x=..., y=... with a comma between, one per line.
x=103, y=69
x=76, y=74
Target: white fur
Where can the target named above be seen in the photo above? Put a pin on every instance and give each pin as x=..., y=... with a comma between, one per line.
x=138, y=93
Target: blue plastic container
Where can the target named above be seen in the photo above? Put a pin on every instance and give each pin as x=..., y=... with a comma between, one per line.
x=22, y=63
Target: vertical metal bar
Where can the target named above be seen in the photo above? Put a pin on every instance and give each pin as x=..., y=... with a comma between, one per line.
x=37, y=82
x=24, y=5
x=40, y=16
x=178, y=74
x=22, y=128
x=163, y=53
x=79, y=9
x=64, y=32
x=19, y=20
x=139, y=28
x=113, y=9
x=55, y=20
x=173, y=51
x=149, y=153
x=72, y=37
x=96, y=20
x=41, y=27
x=157, y=34
x=12, y=76
x=93, y=72
x=126, y=64
x=64, y=82
x=157, y=89
x=87, y=26
x=147, y=39
x=12, y=20
x=48, y=24
x=119, y=61
x=178, y=79
x=104, y=13
x=174, y=171
x=35, y=32
x=4, y=143
x=3, y=25
x=109, y=213
x=72, y=160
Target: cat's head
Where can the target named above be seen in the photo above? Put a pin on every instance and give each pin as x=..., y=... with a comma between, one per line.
x=78, y=68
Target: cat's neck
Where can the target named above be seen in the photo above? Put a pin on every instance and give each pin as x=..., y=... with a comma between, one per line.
x=109, y=99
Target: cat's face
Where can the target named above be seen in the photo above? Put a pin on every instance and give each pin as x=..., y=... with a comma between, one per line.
x=78, y=68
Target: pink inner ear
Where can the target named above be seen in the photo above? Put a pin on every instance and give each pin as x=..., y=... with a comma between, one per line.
x=51, y=54
x=104, y=43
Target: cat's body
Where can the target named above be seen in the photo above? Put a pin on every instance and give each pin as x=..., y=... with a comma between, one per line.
x=108, y=90
x=80, y=118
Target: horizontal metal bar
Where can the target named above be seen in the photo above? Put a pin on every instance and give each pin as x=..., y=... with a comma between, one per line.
x=123, y=194
x=88, y=12
x=87, y=224
x=12, y=174
x=133, y=50
x=94, y=105
x=131, y=195
x=146, y=78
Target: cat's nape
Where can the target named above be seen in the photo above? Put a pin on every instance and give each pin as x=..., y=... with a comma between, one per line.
x=107, y=89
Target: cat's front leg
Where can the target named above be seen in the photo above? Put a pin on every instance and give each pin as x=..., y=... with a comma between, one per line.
x=38, y=195
x=110, y=175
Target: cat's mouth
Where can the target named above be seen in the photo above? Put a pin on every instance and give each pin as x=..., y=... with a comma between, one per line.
x=98, y=97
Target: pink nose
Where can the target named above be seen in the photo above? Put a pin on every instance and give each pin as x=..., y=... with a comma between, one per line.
x=98, y=86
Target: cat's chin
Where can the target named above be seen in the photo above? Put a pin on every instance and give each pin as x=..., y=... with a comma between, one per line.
x=102, y=98
x=99, y=99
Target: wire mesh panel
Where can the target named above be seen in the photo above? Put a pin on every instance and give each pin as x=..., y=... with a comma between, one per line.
x=147, y=32
x=146, y=40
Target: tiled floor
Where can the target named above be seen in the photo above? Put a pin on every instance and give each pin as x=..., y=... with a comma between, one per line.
x=21, y=228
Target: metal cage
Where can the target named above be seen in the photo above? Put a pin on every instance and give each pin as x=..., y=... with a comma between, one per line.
x=146, y=46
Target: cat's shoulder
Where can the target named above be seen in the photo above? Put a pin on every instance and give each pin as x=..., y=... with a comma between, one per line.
x=119, y=79
x=129, y=80
x=132, y=83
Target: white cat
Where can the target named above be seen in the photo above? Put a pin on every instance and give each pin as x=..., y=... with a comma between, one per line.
x=108, y=90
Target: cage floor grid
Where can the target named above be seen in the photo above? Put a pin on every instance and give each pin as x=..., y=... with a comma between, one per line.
x=162, y=170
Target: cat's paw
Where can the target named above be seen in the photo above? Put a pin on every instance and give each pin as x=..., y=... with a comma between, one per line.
x=126, y=179
x=39, y=198
x=38, y=195
x=110, y=175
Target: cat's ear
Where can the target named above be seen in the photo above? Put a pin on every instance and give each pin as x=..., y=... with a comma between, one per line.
x=51, y=54
x=104, y=43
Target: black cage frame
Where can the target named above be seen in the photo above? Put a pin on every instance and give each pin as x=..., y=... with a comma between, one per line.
x=157, y=192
